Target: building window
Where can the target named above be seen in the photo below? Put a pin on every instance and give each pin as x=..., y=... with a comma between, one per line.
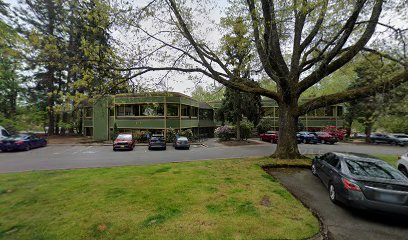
x=339, y=111
x=329, y=111
x=88, y=112
x=185, y=111
x=206, y=114
x=268, y=112
x=173, y=110
x=194, y=112
x=120, y=111
x=152, y=109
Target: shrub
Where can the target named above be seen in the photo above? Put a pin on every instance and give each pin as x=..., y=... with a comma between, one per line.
x=115, y=132
x=171, y=135
x=187, y=133
x=140, y=136
x=225, y=133
x=337, y=132
x=246, y=129
x=264, y=125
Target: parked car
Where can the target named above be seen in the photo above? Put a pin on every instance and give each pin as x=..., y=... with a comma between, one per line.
x=362, y=181
x=306, y=137
x=325, y=138
x=387, y=139
x=359, y=135
x=402, y=138
x=3, y=133
x=181, y=142
x=269, y=136
x=23, y=142
x=157, y=141
x=403, y=164
x=124, y=141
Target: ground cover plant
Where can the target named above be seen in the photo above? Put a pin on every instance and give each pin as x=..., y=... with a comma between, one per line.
x=217, y=199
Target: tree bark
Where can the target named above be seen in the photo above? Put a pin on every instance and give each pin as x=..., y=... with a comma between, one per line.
x=368, y=129
x=288, y=121
x=238, y=129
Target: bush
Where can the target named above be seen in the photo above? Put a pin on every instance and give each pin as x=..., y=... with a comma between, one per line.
x=264, y=125
x=187, y=133
x=140, y=136
x=225, y=133
x=171, y=135
x=246, y=129
x=115, y=132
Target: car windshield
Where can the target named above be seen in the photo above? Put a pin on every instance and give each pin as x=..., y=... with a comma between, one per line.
x=401, y=136
x=373, y=169
x=20, y=136
x=157, y=138
x=124, y=137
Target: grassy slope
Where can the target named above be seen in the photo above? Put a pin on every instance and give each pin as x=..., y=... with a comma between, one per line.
x=391, y=159
x=229, y=199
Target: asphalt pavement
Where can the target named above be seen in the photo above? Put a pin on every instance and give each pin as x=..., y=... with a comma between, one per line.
x=343, y=223
x=69, y=156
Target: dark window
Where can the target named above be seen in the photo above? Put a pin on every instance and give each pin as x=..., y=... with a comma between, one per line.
x=339, y=111
x=88, y=112
x=206, y=114
x=4, y=133
x=194, y=112
x=329, y=111
x=373, y=169
x=185, y=110
x=172, y=110
x=269, y=111
x=331, y=159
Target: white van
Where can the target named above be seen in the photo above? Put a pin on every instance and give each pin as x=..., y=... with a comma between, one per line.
x=3, y=133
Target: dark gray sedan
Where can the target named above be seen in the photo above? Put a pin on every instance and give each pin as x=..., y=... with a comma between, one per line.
x=362, y=181
x=181, y=142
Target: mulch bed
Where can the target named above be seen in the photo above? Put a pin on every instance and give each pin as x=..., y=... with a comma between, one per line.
x=239, y=143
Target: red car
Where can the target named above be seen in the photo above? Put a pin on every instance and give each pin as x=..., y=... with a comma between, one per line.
x=124, y=141
x=269, y=136
x=325, y=138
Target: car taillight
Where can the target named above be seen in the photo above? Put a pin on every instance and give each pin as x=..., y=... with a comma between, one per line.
x=350, y=186
x=178, y=142
x=19, y=142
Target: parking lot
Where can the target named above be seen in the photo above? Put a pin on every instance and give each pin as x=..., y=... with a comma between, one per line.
x=67, y=156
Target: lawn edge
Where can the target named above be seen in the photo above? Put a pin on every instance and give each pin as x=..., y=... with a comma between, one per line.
x=323, y=233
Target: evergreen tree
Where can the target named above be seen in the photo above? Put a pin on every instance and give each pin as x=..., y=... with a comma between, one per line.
x=237, y=104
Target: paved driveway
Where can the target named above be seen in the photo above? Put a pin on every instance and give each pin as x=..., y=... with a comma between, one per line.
x=342, y=222
x=65, y=157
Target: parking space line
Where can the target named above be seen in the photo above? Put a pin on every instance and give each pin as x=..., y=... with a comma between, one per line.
x=81, y=150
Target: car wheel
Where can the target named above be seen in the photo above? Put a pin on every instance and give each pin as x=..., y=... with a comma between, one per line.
x=403, y=169
x=323, y=141
x=164, y=148
x=332, y=193
x=304, y=141
x=27, y=148
x=149, y=148
x=314, y=170
x=114, y=150
x=393, y=143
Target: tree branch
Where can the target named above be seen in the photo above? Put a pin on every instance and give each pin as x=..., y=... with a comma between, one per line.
x=353, y=94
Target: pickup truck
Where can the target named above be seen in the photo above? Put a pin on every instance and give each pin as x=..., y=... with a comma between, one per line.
x=269, y=136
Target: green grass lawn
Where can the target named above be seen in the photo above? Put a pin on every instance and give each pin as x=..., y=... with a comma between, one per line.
x=391, y=159
x=220, y=199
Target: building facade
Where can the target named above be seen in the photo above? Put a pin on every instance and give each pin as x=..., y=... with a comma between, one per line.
x=156, y=112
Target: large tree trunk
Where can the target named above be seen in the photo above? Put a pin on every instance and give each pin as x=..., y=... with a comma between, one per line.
x=368, y=129
x=238, y=123
x=288, y=122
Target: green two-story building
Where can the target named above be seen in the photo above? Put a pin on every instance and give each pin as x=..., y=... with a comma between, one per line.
x=153, y=112
x=156, y=112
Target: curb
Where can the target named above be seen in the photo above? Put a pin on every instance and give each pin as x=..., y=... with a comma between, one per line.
x=108, y=144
